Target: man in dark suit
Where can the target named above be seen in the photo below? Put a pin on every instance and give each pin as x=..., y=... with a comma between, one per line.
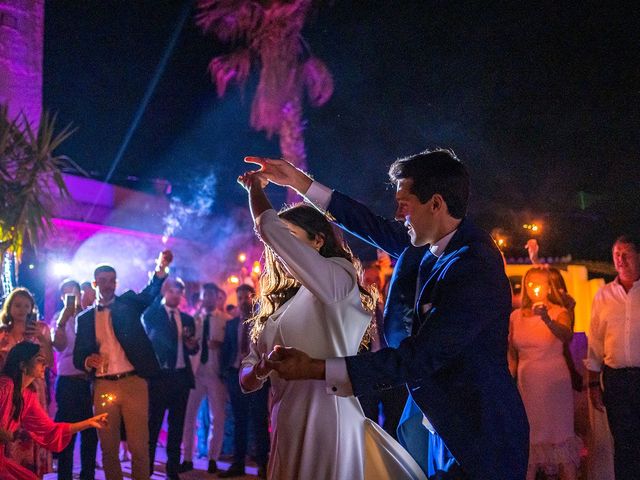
x=455, y=360
x=248, y=409
x=172, y=334
x=112, y=345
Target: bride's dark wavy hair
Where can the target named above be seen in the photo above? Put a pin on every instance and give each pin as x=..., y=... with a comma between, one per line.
x=277, y=286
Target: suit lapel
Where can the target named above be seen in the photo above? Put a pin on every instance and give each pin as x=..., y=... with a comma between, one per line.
x=423, y=299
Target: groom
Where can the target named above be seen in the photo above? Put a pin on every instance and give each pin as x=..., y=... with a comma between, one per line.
x=454, y=362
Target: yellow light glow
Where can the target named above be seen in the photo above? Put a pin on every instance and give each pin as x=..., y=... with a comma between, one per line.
x=242, y=257
x=234, y=279
x=256, y=268
x=107, y=399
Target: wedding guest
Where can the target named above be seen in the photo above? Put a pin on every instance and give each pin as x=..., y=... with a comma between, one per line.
x=73, y=387
x=20, y=407
x=20, y=318
x=112, y=345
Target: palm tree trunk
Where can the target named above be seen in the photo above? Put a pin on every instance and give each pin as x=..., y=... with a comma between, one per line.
x=292, y=140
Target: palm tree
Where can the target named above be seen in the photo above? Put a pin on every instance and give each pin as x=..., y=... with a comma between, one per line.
x=268, y=33
x=31, y=182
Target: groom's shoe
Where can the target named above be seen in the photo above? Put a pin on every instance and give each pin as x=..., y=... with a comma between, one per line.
x=185, y=467
x=235, y=470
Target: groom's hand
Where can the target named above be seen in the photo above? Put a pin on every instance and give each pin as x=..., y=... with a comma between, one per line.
x=293, y=364
x=282, y=173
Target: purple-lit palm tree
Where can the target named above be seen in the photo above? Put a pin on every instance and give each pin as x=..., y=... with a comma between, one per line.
x=31, y=183
x=268, y=34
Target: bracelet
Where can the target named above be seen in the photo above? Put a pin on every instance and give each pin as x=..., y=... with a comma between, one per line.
x=261, y=377
x=594, y=384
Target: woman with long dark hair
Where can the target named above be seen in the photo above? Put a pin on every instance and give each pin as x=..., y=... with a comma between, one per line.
x=19, y=319
x=311, y=298
x=19, y=407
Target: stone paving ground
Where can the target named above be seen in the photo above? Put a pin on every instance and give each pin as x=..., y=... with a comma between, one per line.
x=199, y=471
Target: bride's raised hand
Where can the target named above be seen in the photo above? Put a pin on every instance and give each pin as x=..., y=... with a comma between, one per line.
x=253, y=179
x=282, y=173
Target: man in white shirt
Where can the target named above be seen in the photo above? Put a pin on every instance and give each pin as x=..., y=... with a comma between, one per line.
x=172, y=334
x=112, y=345
x=73, y=388
x=210, y=326
x=613, y=358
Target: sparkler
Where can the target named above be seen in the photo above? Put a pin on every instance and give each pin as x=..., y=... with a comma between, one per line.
x=107, y=399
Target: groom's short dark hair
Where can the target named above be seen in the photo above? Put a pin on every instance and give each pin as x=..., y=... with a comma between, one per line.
x=436, y=171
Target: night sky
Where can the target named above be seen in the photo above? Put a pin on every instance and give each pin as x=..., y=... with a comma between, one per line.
x=541, y=102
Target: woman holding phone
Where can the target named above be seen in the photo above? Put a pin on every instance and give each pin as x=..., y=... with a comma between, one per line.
x=537, y=332
x=19, y=320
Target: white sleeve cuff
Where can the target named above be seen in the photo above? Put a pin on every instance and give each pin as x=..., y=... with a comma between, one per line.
x=592, y=365
x=319, y=195
x=337, y=380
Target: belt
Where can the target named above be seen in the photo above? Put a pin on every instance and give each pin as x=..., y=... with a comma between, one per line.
x=79, y=376
x=117, y=376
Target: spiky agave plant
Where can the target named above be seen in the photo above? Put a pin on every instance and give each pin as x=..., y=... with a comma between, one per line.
x=31, y=180
x=269, y=35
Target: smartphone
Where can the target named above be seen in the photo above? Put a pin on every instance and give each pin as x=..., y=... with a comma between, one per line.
x=69, y=300
x=30, y=327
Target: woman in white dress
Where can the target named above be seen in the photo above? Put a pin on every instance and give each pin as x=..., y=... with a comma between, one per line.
x=311, y=299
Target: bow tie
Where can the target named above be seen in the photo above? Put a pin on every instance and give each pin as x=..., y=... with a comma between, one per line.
x=103, y=307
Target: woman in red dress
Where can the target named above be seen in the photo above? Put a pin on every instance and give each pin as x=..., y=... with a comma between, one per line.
x=19, y=407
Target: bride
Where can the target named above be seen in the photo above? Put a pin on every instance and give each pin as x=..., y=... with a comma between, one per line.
x=311, y=299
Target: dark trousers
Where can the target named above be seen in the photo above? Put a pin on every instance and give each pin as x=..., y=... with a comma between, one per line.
x=622, y=400
x=249, y=409
x=169, y=391
x=392, y=401
x=75, y=403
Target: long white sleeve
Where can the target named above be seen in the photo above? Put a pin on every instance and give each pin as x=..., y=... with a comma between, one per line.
x=329, y=279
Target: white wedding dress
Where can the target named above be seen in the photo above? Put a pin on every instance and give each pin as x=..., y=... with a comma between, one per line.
x=316, y=435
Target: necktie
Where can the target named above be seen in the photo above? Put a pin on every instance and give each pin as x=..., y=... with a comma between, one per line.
x=173, y=335
x=424, y=272
x=204, y=349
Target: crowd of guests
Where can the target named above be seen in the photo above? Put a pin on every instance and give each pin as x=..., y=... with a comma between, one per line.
x=119, y=363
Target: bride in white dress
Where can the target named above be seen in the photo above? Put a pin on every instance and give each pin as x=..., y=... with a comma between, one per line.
x=311, y=299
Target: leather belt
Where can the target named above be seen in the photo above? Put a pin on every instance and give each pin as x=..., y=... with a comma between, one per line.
x=117, y=376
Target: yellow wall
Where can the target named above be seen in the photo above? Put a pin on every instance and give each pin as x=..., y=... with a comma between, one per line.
x=580, y=288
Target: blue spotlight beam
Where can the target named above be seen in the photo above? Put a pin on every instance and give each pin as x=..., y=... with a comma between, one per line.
x=162, y=65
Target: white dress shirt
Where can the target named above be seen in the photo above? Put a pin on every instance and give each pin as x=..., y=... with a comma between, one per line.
x=109, y=346
x=614, y=333
x=65, y=357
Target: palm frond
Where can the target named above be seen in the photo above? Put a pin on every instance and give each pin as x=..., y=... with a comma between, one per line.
x=234, y=67
x=229, y=20
x=31, y=179
x=318, y=81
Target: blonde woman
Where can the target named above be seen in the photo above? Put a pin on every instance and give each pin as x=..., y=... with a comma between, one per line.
x=537, y=333
x=18, y=317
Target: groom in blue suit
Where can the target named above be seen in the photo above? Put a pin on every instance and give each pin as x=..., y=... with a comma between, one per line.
x=454, y=362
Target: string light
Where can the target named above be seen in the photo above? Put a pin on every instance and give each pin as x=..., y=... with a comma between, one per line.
x=242, y=257
x=256, y=268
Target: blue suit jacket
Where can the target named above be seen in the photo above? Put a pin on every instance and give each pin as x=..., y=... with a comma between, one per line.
x=126, y=311
x=455, y=361
x=156, y=323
